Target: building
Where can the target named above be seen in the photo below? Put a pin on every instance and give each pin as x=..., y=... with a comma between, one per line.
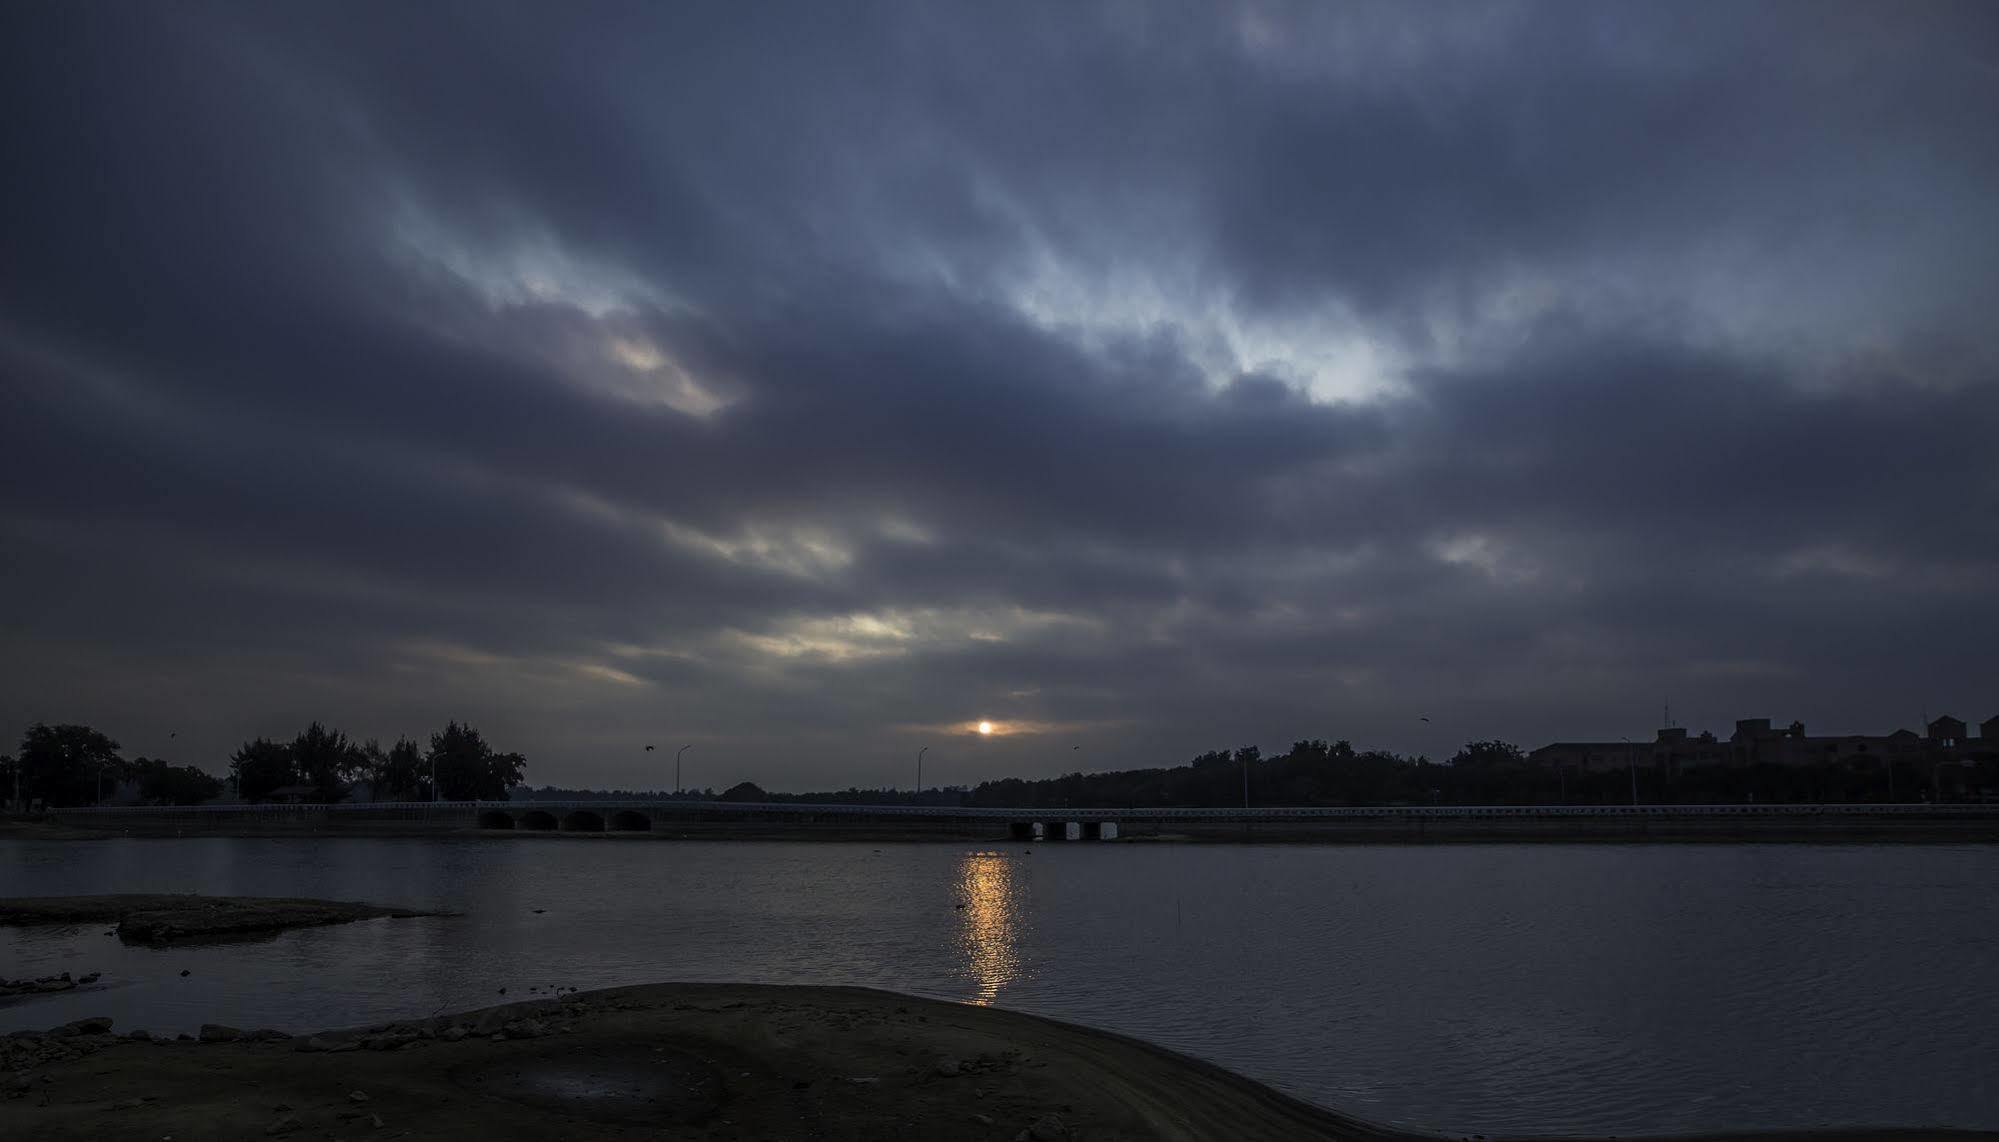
x=1756, y=742
x=1670, y=752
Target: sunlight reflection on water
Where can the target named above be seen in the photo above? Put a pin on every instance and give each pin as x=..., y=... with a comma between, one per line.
x=987, y=936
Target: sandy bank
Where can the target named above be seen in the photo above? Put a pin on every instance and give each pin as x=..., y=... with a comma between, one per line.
x=151, y=918
x=676, y=1061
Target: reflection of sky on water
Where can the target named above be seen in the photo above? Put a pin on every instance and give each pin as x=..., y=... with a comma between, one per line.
x=988, y=935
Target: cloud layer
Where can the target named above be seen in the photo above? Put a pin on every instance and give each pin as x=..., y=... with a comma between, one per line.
x=810, y=383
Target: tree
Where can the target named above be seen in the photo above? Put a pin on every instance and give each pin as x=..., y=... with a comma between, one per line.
x=164, y=784
x=326, y=760
x=401, y=775
x=468, y=769
x=261, y=766
x=1489, y=755
x=67, y=765
x=744, y=791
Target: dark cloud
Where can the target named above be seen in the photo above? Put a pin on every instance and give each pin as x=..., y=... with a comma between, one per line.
x=1152, y=377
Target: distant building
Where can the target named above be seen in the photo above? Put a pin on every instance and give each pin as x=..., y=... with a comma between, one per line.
x=1756, y=742
x=1948, y=733
x=1670, y=751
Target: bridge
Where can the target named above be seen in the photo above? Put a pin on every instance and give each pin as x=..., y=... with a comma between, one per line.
x=641, y=815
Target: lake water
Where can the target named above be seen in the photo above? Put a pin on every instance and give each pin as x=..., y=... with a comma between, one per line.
x=1494, y=988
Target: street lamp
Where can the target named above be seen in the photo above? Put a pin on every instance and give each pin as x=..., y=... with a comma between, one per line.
x=1631, y=763
x=919, y=771
x=677, y=786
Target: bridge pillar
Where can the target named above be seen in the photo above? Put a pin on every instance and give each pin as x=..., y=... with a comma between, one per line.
x=1100, y=830
x=1063, y=830
x=583, y=821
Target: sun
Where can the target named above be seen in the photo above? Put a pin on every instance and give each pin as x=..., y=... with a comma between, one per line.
x=985, y=728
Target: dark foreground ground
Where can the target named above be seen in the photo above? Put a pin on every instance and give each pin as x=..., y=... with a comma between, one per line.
x=672, y=1061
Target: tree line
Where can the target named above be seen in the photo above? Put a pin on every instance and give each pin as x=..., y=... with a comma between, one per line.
x=68, y=765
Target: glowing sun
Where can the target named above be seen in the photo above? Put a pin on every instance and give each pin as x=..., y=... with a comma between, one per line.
x=985, y=727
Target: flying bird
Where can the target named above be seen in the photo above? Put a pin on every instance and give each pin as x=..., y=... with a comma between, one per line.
x=648, y=749
x=1424, y=719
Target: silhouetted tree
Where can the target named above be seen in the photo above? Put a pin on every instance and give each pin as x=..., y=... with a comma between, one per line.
x=1490, y=755
x=163, y=784
x=67, y=765
x=261, y=766
x=399, y=774
x=744, y=791
x=326, y=760
x=468, y=769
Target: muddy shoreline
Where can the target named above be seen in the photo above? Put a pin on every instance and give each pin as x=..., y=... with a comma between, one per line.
x=682, y=1061
x=167, y=918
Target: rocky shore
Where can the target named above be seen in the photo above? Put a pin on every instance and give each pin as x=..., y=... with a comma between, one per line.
x=165, y=919
x=675, y=1061
x=44, y=985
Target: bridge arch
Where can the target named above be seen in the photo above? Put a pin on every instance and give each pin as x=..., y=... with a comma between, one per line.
x=540, y=819
x=630, y=821
x=496, y=819
x=583, y=821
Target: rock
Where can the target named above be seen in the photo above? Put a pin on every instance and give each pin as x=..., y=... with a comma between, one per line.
x=949, y=1069
x=375, y=1122
x=492, y=1021
x=453, y=1033
x=526, y=1029
x=91, y=978
x=266, y=1035
x=284, y=1125
x=983, y=1119
x=139, y=1035
x=217, y=1033
x=357, y=1096
x=95, y=1025
x=1048, y=1128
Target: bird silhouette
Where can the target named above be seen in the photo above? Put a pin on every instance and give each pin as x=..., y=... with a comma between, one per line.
x=648, y=749
x=175, y=735
x=1423, y=719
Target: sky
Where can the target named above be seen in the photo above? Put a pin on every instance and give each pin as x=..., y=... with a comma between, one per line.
x=808, y=383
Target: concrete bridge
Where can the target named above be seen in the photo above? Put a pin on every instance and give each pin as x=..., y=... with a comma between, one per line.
x=1052, y=824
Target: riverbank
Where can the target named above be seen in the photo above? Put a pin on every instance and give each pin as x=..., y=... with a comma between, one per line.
x=697, y=1061
x=169, y=918
x=1830, y=828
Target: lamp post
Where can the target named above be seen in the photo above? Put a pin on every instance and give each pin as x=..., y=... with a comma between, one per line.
x=677, y=786
x=1631, y=763
x=919, y=771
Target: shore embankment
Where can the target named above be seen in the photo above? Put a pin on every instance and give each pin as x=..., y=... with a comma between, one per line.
x=1828, y=828
x=695, y=1061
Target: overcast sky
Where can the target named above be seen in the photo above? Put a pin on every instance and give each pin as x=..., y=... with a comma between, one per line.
x=810, y=382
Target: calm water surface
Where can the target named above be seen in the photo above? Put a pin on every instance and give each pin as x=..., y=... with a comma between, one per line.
x=1544, y=988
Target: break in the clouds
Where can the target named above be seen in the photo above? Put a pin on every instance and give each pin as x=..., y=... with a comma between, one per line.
x=809, y=383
